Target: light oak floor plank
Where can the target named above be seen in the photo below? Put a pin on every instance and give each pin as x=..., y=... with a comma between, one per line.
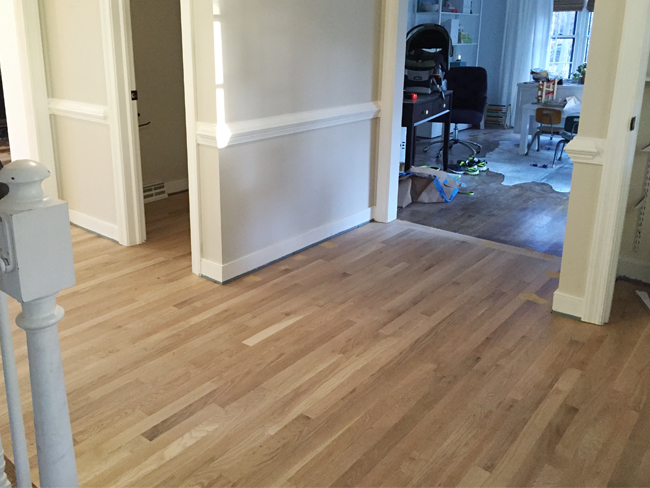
x=392, y=355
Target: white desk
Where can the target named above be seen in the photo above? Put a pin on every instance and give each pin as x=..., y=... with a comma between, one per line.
x=527, y=93
x=528, y=121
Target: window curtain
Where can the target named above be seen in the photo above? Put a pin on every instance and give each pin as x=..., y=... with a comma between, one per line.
x=526, y=44
x=568, y=5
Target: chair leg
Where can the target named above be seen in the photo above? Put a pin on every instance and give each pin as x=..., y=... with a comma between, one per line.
x=557, y=147
x=536, y=136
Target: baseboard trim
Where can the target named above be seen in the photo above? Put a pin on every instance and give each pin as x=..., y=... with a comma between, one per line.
x=212, y=271
x=222, y=273
x=176, y=186
x=94, y=225
x=568, y=305
x=634, y=269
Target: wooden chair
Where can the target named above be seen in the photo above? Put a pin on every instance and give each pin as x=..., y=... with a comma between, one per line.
x=549, y=120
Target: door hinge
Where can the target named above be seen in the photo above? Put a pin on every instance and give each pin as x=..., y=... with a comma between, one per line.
x=134, y=95
x=633, y=124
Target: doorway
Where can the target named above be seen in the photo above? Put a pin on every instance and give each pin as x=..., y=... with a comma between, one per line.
x=5, y=155
x=158, y=60
x=509, y=197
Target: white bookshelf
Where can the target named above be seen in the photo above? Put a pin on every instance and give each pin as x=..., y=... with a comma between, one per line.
x=468, y=18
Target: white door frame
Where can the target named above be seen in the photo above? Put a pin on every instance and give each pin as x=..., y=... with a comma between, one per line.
x=25, y=87
x=123, y=120
x=616, y=154
x=189, y=75
x=391, y=96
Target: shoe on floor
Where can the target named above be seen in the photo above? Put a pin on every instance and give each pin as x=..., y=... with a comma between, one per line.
x=481, y=164
x=463, y=168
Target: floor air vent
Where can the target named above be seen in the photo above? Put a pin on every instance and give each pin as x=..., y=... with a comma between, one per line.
x=154, y=192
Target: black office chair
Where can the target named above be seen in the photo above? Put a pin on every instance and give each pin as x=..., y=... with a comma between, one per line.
x=470, y=86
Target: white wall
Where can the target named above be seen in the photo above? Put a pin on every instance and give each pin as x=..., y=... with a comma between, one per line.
x=304, y=60
x=491, y=48
x=157, y=50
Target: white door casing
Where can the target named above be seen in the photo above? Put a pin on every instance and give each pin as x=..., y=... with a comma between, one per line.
x=25, y=89
x=391, y=93
x=616, y=154
x=123, y=120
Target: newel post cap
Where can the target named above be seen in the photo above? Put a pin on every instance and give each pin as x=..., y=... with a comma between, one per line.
x=22, y=181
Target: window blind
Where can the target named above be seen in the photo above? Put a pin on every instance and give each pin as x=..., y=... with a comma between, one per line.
x=568, y=5
x=590, y=5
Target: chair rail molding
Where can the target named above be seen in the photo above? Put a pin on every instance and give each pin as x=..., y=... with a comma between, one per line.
x=79, y=110
x=283, y=125
x=586, y=150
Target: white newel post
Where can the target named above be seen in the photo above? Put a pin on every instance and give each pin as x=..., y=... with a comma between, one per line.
x=35, y=264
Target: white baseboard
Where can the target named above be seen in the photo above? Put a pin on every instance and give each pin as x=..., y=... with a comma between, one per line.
x=634, y=269
x=568, y=305
x=212, y=270
x=94, y=225
x=176, y=186
x=229, y=271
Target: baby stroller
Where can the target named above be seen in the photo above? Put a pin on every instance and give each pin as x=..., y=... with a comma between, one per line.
x=428, y=49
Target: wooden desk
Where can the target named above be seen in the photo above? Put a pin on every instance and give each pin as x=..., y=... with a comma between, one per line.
x=427, y=108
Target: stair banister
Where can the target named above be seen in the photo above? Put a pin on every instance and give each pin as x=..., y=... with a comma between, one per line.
x=35, y=265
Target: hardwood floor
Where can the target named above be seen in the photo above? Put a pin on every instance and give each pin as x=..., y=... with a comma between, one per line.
x=530, y=215
x=393, y=355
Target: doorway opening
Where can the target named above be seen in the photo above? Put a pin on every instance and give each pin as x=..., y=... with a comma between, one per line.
x=158, y=60
x=5, y=153
x=509, y=195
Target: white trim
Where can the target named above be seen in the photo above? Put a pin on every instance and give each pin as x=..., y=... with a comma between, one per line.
x=391, y=90
x=212, y=271
x=189, y=80
x=222, y=273
x=634, y=269
x=619, y=154
x=206, y=134
x=176, y=186
x=282, y=125
x=94, y=225
x=568, y=305
x=587, y=150
x=127, y=168
x=78, y=110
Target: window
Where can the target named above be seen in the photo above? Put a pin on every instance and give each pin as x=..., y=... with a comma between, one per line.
x=570, y=39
